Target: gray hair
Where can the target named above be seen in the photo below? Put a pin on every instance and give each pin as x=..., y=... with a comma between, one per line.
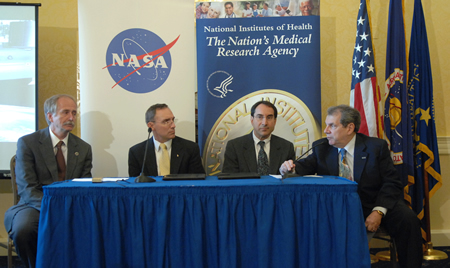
x=348, y=115
x=150, y=113
x=51, y=104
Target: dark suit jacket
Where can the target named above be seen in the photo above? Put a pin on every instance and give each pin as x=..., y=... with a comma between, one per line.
x=240, y=154
x=374, y=171
x=36, y=167
x=185, y=158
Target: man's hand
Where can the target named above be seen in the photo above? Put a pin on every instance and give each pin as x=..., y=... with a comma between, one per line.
x=373, y=221
x=287, y=166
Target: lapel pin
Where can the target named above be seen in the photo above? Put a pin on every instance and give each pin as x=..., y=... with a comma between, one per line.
x=363, y=157
x=178, y=155
x=76, y=153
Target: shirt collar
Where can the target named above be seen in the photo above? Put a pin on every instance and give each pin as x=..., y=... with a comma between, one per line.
x=157, y=143
x=55, y=139
x=350, y=147
x=256, y=140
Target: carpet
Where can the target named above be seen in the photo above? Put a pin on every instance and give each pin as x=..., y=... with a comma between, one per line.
x=381, y=264
x=428, y=264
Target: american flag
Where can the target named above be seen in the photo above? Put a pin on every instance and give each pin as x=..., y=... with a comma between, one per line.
x=365, y=94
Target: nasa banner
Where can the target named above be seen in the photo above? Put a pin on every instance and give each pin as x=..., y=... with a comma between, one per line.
x=244, y=59
x=132, y=55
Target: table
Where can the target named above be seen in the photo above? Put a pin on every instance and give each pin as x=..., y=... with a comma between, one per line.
x=297, y=222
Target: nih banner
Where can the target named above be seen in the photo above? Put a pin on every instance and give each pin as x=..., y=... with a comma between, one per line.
x=245, y=60
x=133, y=54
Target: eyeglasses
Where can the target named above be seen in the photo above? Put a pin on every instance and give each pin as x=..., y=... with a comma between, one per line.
x=260, y=117
x=167, y=122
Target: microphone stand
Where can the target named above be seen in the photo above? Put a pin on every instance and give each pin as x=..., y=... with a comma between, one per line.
x=290, y=175
x=142, y=177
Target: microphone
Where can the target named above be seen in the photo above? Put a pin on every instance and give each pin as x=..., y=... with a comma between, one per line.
x=142, y=177
x=289, y=175
x=320, y=143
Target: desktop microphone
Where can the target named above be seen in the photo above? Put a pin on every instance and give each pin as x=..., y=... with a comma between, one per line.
x=142, y=177
x=288, y=174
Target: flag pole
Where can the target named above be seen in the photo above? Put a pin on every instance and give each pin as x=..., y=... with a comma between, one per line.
x=430, y=254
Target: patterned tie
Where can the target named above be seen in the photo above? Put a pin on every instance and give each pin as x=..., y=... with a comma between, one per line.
x=263, y=162
x=60, y=162
x=344, y=169
x=164, y=163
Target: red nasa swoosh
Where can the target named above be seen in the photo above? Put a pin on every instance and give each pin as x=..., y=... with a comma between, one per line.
x=155, y=54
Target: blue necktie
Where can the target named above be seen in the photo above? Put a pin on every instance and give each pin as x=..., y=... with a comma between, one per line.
x=344, y=169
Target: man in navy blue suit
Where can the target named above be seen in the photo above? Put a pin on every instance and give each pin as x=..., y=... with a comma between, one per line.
x=371, y=166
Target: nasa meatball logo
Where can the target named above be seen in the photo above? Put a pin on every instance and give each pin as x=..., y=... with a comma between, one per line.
x=138, y=60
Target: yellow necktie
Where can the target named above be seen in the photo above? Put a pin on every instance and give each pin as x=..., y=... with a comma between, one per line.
x=164, y=162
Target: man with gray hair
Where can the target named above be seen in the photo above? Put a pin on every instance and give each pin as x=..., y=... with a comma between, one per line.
x=366, y=161
x=306, y=7
x=166, y=153
x=43, y=157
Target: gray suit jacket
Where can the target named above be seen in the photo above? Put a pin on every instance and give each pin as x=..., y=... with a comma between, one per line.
x=240, y=154
x=36, y=167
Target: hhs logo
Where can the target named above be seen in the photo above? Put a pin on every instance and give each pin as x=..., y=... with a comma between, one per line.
x=139, y=60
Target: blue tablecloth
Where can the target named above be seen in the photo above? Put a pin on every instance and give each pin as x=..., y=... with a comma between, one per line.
x=300, y=222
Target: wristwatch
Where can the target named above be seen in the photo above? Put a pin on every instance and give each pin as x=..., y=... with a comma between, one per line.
x=380, y=212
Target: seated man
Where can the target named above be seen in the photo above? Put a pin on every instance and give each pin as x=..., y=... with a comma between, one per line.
x=184, y=155
x=244, y=154
x=43, y=157
x=367, y=161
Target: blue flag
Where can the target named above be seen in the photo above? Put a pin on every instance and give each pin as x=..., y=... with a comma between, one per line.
x=397, y=119
x=420, y=86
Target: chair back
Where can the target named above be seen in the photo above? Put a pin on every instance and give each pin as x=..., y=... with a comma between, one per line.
x=13, y=180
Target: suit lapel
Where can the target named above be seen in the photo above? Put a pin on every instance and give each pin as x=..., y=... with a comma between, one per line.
x=250, y=153
x=72, y=156
x=359, y=158
x=275, y=155
x=332, y=161
x=150, y=167
x=46, y=148
x=176, y=156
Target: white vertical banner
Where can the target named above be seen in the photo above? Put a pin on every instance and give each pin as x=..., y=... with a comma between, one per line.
x=133, y=54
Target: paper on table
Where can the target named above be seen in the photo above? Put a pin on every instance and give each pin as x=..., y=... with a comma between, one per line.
x=103, y=179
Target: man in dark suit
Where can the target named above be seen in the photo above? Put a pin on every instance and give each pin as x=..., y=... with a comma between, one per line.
x=244, y=154
x=36, y=166
x=371, y=166
x=184, y=155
